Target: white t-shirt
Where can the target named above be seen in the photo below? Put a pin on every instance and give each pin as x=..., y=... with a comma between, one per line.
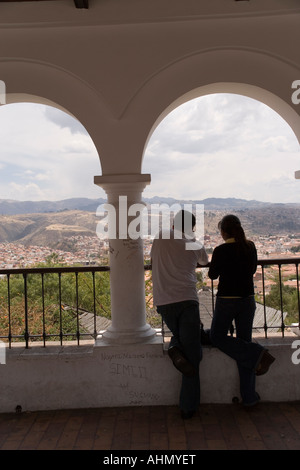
x=173, y=268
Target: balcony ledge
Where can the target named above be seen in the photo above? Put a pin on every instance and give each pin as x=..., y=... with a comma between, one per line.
x=96, y=375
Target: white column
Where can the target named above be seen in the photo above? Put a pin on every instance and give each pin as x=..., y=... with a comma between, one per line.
x=128, y=305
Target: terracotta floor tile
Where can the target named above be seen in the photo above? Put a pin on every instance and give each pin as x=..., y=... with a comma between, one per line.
x=215, y=427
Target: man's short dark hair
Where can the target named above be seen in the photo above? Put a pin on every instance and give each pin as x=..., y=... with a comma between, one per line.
x=184, y=221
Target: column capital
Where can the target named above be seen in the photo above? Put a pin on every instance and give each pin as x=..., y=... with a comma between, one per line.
x=134, y=179
x=115, y=185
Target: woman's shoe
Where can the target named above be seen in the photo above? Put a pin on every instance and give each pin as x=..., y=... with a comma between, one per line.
x=266, y=360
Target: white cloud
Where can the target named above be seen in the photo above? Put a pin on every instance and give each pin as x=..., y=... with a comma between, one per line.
x=25, y=192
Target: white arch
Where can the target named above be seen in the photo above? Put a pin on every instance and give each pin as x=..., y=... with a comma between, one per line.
x=197, y=151
x=251, y=73
x=44, y=83
x=122, y=140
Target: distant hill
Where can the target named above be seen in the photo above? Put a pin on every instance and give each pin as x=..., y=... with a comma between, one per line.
x=47, y=229
x=52, y=223
x=12, y=207
x=264, y=221
x=214, y=203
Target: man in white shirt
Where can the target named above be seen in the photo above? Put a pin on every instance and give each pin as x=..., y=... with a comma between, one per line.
x=175, y=256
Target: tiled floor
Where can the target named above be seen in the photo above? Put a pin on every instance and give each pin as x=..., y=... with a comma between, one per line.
x=268, y=426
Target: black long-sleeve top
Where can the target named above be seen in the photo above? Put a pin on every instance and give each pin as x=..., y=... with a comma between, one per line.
x=235, y=267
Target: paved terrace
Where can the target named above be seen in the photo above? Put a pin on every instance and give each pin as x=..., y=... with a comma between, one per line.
x=268, y=426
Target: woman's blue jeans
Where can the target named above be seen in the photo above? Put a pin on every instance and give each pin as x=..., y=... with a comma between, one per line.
x=183, y=320
x=240, y=347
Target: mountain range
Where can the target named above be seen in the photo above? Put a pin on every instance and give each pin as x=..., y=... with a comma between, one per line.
x=13, y=207
x=50, y=223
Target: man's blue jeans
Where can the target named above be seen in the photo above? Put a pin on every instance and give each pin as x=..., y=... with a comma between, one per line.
x=241, y=348
x=183, y=320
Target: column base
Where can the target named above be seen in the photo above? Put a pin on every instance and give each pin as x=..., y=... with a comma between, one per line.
x=112, y=335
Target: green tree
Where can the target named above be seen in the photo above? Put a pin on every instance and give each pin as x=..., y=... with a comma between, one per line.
x=289, y=301
x=52, y=301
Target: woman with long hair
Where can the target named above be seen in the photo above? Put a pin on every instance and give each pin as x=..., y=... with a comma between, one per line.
x=234, y=263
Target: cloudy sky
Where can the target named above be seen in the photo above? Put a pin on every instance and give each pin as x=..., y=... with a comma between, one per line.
x=214, y=146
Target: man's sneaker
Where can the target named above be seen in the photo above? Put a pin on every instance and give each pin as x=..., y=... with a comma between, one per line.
x=180, y=362
x=265, y=362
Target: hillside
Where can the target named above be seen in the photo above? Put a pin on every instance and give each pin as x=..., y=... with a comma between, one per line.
x=12, y=207
x=266, y=221
x=46, y=229
x=53, y=228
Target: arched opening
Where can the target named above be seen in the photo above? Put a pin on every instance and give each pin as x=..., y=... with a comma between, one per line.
x=223, y=145
x=47, y=154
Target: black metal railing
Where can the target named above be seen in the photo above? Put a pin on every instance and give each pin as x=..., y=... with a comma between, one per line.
x=280, y=284
x=270, y=316
x=274, y=311
x=59, y=296
x=41, y=304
